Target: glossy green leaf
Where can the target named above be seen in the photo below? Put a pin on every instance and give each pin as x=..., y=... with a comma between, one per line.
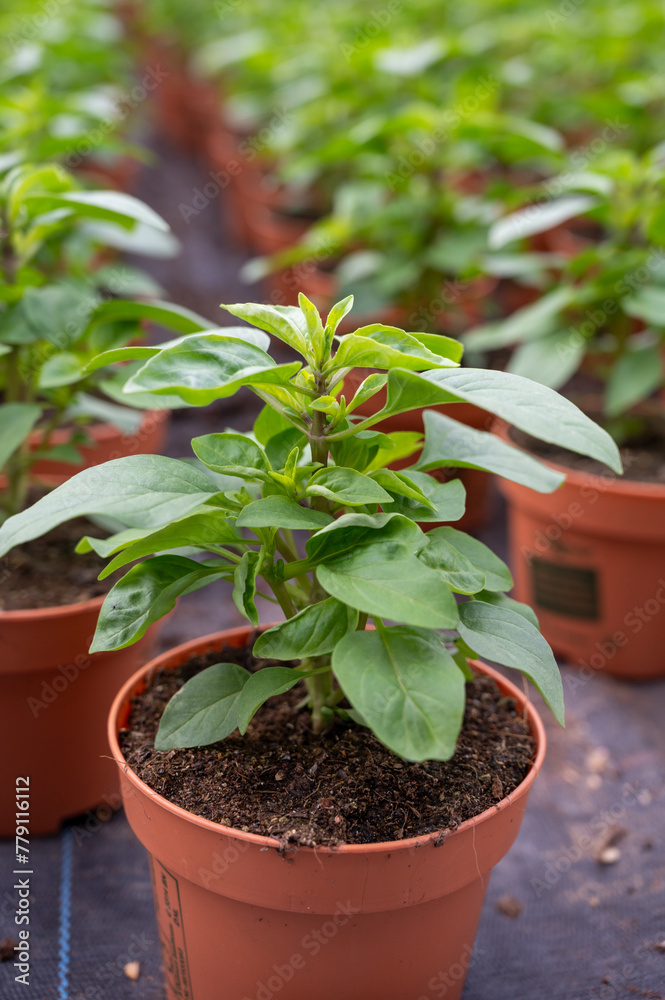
x=352, y=531
x=503, y=601
x=141, y=352
x=16, y=422
x=450, y=443
x=496, y=573
x=338, y=312
x=139, y=490
x=144, y=595
x=281, y=512
x=204, y=710
x=384, y=579
x=312, y=632
x=203, y=529
x=346, y=486
x=232, y=455
x=263, y=684
x=448, y=500
x=406, y=686
x=457, y=570
x=507, y=637
x=380, y=346
x=401, y=484
x=244, y=585
x=531, y=407
x=287, y=323
x=208, y=367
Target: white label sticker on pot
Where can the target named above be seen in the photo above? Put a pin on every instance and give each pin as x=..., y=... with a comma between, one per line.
x=567, y=590
x=171, y=931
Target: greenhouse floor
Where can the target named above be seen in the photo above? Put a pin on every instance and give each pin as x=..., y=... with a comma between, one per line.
x=576, y=911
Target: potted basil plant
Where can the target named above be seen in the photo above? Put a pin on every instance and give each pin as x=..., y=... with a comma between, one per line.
x=373, y=667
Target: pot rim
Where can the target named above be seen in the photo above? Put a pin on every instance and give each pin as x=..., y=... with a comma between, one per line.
x=53, y=610
x=136, y=683
x=607, y=482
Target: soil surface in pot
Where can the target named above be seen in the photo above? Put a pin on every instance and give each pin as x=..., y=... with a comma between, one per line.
x=46, y=572
x=643, y=458
x=342, y=787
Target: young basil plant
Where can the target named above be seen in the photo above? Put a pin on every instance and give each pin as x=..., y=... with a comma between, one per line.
x=318, y=520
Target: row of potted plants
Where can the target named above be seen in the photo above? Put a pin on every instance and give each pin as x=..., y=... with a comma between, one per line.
x=449, y=193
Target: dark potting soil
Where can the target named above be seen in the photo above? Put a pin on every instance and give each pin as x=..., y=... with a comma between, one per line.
x=46, y=572
x=643, y=459
x=341, y=787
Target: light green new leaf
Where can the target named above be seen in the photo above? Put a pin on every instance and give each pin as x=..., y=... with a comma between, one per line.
x=281, y=512
x=450, y=443
x=505, y=636
x=368, y=388
x=139, y=490
x=338, y=312
x=287, y=323
x=204, y=710
x=232, y=455
x=635, y=376
x=346, y=486
x=106, y=547
x=384, y=580
x=244, y=585
x=200, y=530
x=144, y=595
x=263, y=684
x=380, y=346
x=496, y=573
x=406, y=686
x=16, y=422
x=312, y=632
x=531, y=407
x=209, y=366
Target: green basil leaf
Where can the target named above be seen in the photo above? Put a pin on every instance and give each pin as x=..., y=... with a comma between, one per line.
x=281, y=512
x=406, y=686
x=312, y=632
x=505, y=636
x=204, y=710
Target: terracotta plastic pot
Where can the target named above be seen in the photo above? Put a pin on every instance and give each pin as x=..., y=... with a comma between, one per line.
x=590, y=559
x=240, y=919
x=54, y=702
x=476, y=483
x=108, y=442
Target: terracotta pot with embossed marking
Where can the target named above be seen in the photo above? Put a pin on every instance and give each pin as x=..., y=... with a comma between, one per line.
x=590, y=560
x=241, y=919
